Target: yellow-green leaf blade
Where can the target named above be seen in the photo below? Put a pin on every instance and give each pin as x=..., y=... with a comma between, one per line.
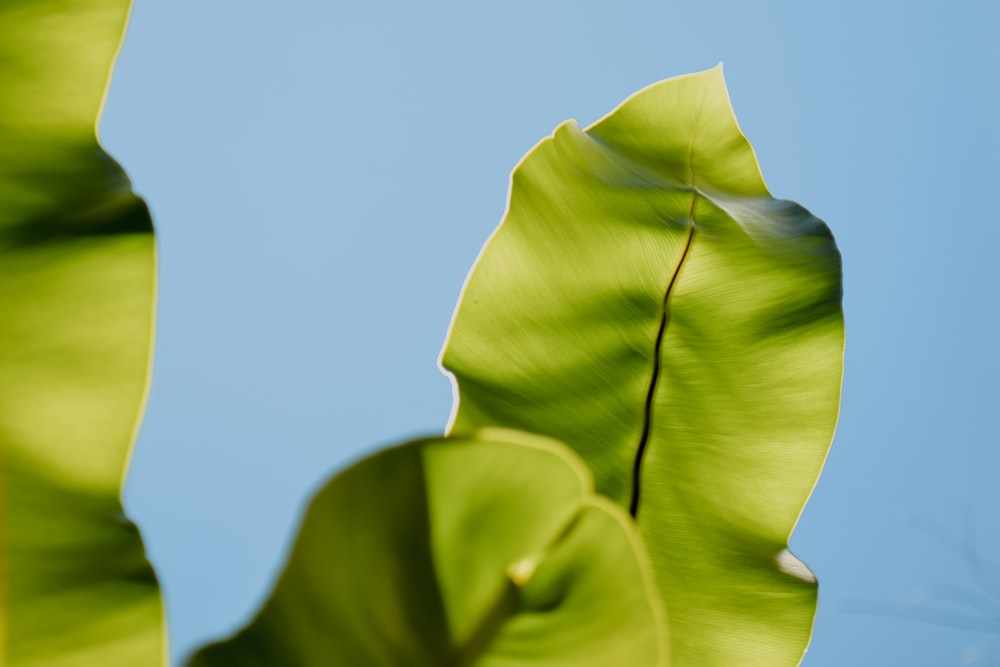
x=76, y=293
x=489, y=551
x=646, y=301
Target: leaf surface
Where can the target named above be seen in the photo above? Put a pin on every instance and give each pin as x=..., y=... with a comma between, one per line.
x=646, y=301
x=490, y=551
x=76, y=297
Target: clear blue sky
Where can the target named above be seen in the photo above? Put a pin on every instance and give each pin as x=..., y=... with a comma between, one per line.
x=322, y=175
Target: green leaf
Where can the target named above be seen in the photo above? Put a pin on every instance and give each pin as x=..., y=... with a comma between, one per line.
x=646, y=301
x=489, y=551
x=76, y=297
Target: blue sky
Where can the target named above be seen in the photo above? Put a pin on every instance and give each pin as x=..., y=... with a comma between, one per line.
x=322, y=176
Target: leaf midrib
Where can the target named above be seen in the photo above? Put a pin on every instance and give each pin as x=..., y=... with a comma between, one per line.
x=647, y=418
x=507, y=604
x=647, y=422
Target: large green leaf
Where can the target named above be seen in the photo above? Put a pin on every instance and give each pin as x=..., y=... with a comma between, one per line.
x=76, y=315
x=646, y=301
x=489, y=551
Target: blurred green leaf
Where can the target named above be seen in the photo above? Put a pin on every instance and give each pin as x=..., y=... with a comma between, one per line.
x=490, y=551
x=646, y=301
x=76, y=297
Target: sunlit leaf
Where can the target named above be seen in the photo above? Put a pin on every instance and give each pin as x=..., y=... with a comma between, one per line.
x=646, y=301
x=489, y=551
x=76, y=315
